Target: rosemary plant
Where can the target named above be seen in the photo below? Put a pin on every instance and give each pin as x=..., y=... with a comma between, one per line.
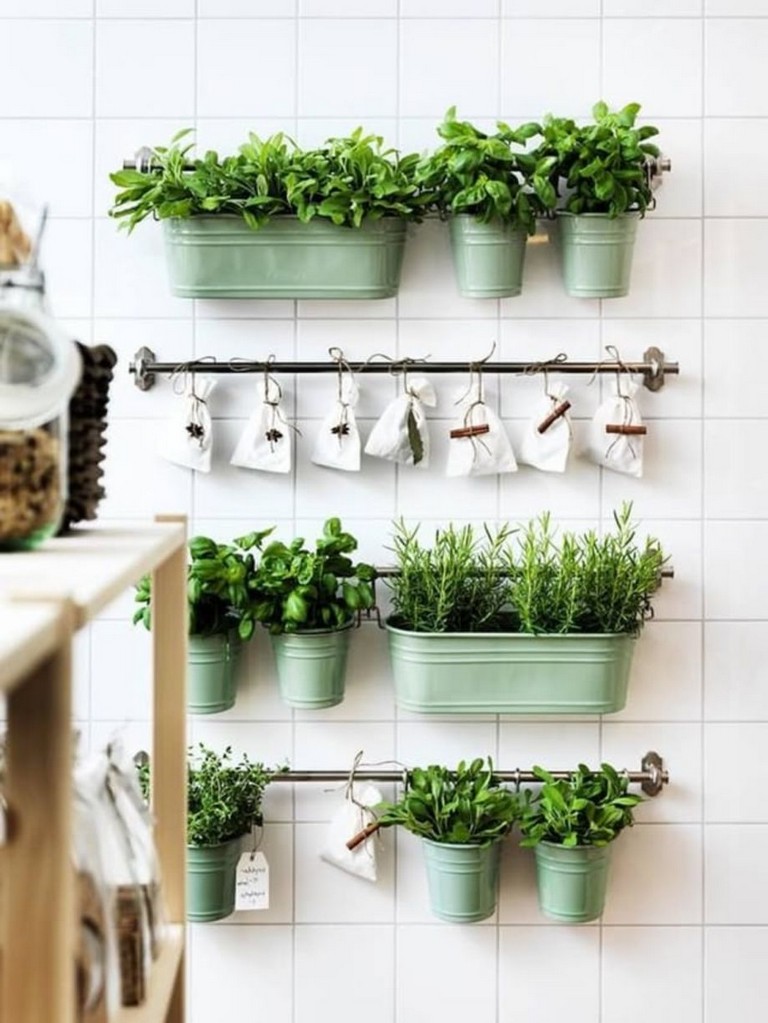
x=527, y=581
x=457, y=585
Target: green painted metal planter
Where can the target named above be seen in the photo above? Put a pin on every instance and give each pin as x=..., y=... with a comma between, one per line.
x=211, y=673
x=596, y=252
x=488, y=258
x=221, y=257
x=211, y=874
x=311, y=667
x=572, y=881
x=510, y=673
x=462, y=879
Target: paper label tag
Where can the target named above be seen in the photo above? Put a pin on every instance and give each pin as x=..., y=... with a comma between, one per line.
x=252, y=884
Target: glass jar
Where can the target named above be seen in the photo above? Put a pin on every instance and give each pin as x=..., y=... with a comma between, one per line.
x=39, y=371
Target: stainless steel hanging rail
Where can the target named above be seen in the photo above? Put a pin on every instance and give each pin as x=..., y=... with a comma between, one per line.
x=652, y=776
x=654, y=368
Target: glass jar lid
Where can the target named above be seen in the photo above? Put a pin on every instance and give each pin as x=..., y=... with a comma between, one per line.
x=40, y=367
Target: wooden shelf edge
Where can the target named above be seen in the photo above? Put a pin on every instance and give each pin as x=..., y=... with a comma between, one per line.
x=165, y=969
x=31, y=633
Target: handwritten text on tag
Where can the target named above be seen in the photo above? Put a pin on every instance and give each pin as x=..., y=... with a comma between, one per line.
x=252, y=885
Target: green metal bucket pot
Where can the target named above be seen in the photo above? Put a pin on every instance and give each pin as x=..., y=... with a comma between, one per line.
x=596, y=253
x=311, y=667
x=572, y=881
x=221, y=257
x=462, y=879
x=211, y=673
x=211, y=874
x=488, y=258
x=510, y=673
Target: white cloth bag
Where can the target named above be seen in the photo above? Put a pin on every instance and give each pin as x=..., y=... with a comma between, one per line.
x=620, y=452
x=187, y=439
x=352, y=816
x=485, y=454
x=265, y=443
x=337, y=445
x=547, y=451
x=401, y=433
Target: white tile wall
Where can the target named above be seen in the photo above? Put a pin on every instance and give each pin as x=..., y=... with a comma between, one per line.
x=85, y=83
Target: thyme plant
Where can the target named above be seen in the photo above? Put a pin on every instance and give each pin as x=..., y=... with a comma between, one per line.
x=224, y=796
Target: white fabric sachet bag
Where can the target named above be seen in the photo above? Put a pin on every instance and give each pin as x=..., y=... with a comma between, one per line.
x=616, y=432
x=265, y=443
x=546, y=442
x=401, y=433
x=479, y=445
x=338, y=443
x=188, y=439
x=352, y=816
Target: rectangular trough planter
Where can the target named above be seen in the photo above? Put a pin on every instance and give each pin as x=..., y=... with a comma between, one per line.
x=221, y=257
x=510, y=673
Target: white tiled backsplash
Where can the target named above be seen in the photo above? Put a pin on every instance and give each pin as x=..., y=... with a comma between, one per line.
x=685, y=935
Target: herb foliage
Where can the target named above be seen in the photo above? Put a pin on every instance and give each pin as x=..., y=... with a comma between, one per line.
x=295, y=588
x=219, y=581
x=526, y=581
x=346, y=180
x=601, y=165
x=488, y=176
x=588, y=808
x=465, y=806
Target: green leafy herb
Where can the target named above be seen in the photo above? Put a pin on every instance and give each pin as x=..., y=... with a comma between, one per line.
x=414, y=437
x=346, y=181
x=295, y=588
x=219, y=578
x=486, y=176
x=588, y=808
x=224, y=796
x=465, y=806
x=526, y=581
x=600, y=165
x=457, y=585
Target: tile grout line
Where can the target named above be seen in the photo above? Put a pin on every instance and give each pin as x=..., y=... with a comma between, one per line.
x=703, y=560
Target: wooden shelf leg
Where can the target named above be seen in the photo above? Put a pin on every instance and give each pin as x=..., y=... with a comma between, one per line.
x=169, y=755
x=38, y=927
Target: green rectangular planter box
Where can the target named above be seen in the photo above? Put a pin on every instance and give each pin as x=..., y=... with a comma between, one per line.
x=510, y=673
x=221, y=257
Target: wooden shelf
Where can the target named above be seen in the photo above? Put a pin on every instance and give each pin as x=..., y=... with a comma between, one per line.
x=30, y=634
x=90, y=566
x=162, y=981
x=44, y=596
